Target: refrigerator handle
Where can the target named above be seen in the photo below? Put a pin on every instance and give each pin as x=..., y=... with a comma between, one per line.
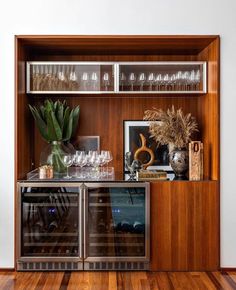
x=80, y=222
x=85, y=219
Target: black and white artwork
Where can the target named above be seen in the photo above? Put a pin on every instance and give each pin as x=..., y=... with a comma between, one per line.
x=132, y=142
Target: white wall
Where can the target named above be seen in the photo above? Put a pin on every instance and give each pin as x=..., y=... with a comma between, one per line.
x=119, y=17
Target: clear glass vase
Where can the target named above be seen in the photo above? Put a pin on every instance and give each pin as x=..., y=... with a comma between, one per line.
x=53, y=155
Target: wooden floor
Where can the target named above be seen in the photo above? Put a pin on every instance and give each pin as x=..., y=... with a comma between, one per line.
x=117, y=280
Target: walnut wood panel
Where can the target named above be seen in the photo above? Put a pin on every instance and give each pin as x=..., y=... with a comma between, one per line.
x=118, y=280
x=209, y=108
x=104, y=117
x=23, y=142
x=117, y=44
x=184, y=215
x=184, y=226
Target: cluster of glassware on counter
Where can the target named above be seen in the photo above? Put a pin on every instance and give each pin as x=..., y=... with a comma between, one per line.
x=89, y=165
x=66, y=78
x=179, y=81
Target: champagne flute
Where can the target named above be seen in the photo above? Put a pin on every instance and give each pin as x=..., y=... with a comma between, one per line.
x=68, y=161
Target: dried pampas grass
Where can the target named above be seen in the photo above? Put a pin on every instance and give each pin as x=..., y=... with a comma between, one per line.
x=171, y=127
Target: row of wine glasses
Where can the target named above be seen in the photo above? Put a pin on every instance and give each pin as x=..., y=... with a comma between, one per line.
x=179, y=81
x=91, y=164
x=66, y=78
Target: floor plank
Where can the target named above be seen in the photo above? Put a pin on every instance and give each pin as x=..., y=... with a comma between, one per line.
x=117, y=280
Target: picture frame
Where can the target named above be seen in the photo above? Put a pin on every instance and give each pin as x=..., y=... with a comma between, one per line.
x=87, y=143
x=132, y=141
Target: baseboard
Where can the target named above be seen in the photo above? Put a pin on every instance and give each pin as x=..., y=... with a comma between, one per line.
x=7, y=269
x=228, y=269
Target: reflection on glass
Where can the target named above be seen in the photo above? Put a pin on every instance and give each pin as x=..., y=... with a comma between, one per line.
x=49, y=222
x=116, y=222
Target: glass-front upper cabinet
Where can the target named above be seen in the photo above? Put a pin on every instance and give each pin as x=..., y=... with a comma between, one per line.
x=162, y=77
x=70, y=77
x=180, y=77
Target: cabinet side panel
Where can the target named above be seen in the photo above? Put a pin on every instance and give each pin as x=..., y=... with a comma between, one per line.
x=184, y=226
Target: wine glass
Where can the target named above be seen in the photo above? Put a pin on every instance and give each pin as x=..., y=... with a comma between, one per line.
x=107, y=156
x=94, y=81
x=106, y=80
x=186, y=79
x=150, y=80
x=68, y=161
x=179, y=77
x=80, y=159
x=85, y=80
x=122, y=80
x=73, y=80
x=61, y=78
x=141, y=80
x=158, y=81
x=132, y=80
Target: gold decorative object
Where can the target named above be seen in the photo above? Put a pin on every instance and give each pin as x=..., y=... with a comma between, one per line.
x=142, y=149
x=195, y=160
x=46, y=172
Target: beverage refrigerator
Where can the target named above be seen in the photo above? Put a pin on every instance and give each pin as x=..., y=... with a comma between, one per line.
x=83, y=226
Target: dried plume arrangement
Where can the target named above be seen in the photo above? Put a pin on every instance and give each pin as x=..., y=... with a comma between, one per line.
x=171, y=127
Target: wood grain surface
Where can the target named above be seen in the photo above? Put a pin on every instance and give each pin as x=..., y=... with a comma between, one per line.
x=117, y=280
x=184, y=226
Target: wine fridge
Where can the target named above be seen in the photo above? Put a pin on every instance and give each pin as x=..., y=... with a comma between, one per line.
x=83, y=226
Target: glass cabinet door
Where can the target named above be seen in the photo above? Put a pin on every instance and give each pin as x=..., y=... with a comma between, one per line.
x=50, y=222
x=168, y=77
x=116, y=223
x=70, y=77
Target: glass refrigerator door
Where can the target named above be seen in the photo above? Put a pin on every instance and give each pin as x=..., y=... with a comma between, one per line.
x=116, y=223
x=50, y=222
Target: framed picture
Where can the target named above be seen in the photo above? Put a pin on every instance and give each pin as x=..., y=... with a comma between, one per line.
x=87, y=143
x=132, y=142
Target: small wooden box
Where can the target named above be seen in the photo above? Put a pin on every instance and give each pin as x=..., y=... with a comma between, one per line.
x=195, y=160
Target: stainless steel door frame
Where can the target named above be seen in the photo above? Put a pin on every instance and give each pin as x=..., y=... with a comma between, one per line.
x=23, y=259
x=145, y=258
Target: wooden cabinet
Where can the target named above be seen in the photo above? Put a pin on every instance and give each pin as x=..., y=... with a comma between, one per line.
x=184, y=214
x=184, y=226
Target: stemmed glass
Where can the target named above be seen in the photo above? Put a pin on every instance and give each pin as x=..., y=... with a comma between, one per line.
x=85, y=80
x=132, y=80
x=106, y=80
x=107, y=157
x=68, y=161
x=158, y=81
x=122, y=80
x=94, y=81
x=62, y=79
x=141, y=80
x=80, y=159
x=150, y=80
x=73, y=80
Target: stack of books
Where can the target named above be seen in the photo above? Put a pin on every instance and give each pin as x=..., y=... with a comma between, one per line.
x=151, y=175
